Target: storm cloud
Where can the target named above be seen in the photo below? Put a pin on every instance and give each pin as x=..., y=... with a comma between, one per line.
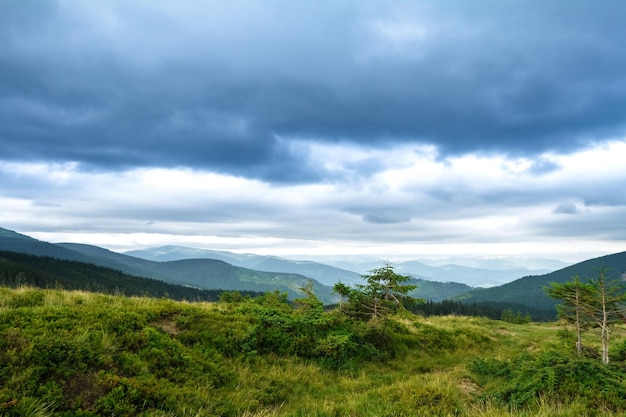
x=439, y=119
x=212, y=86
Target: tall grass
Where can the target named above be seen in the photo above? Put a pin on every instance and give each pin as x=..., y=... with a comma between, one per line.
x=110, y=355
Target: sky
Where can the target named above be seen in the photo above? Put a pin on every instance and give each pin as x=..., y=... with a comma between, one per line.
x=395, y=129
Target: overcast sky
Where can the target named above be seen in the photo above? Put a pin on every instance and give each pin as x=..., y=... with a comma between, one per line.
x=400, y=129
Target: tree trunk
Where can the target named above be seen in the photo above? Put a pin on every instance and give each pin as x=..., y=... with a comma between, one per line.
x=605, y=322
x=579, y=335
x=579, y=330
x=605, y=341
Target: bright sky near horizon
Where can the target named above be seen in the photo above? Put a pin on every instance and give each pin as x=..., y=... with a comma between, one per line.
x=397, y=129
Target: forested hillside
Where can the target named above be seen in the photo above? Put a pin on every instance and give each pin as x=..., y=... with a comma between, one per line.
x=215, y=274
x=18, y=269
x=529, y=291
x=201, y=273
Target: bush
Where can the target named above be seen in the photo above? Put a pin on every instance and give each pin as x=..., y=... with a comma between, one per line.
x=554, y=377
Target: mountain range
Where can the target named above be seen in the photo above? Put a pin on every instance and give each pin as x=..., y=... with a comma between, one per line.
x=196, y=273
x=205, y=269
x=209, y=270
x=329, y=275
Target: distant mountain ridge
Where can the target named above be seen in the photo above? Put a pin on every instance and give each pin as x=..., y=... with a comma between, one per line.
x=200, y=269
x=325, y=274
x=203, y=274
x=475, y=277
x=329, y=275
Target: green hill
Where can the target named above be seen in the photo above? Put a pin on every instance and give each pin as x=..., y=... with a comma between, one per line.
x=528, y=291
x=200, y=273
x=437, y=291
x=86, y=354
x=17, y=269
x=207, y=273
x=325, y=274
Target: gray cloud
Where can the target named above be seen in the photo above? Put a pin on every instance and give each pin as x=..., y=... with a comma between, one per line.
x=203, y=85
x=385, y=218
x=366, y=124
x=566, y=208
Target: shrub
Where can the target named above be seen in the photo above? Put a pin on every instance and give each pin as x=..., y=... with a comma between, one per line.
x=554, y=377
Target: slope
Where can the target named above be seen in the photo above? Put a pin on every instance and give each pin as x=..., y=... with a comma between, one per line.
x=325, y=274
x=18, y=269
x=529, y=291
x=474, y=277
x=203, y=274
x=437, y=291
x=16, y=242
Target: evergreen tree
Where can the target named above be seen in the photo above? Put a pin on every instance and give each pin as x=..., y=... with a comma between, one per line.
x=599, y=302
x=384, y=293
x=575, y=295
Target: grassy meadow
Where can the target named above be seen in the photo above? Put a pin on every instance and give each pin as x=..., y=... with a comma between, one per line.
x=74, y=353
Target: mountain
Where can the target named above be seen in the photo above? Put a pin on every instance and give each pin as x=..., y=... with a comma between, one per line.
x=18, y=269
x=329, y=275
x=176, y=253
x=325, y=274
x=437, y=291
x=475, y=272
x=125, y=263
x=16, y=242
x=474, y=277
x=198, y=273
x=529, y=291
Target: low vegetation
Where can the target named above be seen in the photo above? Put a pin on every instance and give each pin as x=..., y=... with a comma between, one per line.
x=76, y=353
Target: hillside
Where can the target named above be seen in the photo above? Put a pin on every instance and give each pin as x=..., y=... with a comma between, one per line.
x=203, y=274
x=474, y=277
x=85, y=354
x=329, y=275
x=529, y=291
x=325, y=274
x=17, y=269
x=16, y=242
x=437, y=291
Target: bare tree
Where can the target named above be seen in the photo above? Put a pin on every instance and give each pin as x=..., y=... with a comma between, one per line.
x=606, y=307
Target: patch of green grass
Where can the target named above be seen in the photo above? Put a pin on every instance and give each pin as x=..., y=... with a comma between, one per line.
x=79, y=353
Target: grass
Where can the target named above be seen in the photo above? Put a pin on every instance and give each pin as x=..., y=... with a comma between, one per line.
x=79, y=353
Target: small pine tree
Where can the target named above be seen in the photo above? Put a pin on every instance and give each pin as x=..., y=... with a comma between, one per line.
x=384, y=293
x=598, y=302
x=574, y=294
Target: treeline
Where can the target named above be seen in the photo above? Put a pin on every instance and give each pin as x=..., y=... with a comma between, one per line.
x=510, y=312
x=19, y=269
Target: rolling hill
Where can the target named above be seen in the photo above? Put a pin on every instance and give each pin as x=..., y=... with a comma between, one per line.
x=325, y=274
x=18, y=269
x=528, y=291
x=208, y=269
x=329, y=275
x=474, y=277
x=198, y=273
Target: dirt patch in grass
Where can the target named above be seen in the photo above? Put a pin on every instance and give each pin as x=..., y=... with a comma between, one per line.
x=168, y=325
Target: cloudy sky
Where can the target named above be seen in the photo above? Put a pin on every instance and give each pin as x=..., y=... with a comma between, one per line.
x=400, y=129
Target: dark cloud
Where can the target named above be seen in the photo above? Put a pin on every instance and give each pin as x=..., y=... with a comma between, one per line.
x=386, y=218
x=118, y=86
x=566, y=208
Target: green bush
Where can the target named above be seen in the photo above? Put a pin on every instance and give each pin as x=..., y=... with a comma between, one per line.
x=554, y=377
